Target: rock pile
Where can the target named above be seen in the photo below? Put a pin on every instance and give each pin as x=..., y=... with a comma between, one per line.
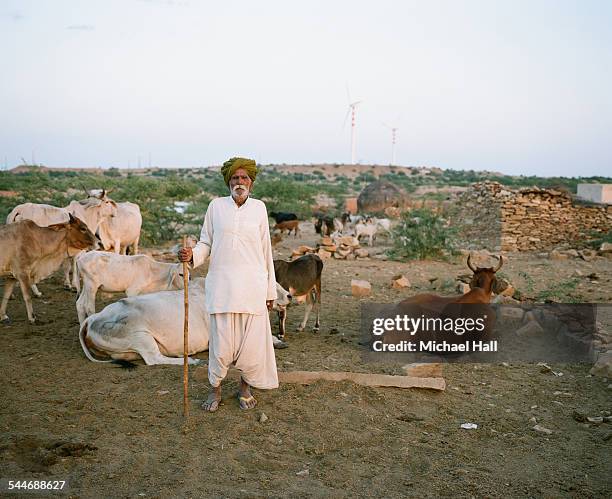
x=340, y=248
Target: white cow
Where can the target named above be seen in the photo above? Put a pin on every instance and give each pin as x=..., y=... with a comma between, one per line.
x=134, y=275
x=151, y=327
x=92, y=211
x=122, y=230
x=366, y=229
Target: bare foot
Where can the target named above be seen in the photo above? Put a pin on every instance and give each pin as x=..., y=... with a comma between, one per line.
x=214, y=399
x=245, y=397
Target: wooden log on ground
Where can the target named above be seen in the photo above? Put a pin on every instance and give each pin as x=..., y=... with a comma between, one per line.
x=365, y=379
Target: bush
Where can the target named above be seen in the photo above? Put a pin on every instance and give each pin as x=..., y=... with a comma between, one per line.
x=422, y=234
x=112, y=172
x=598, y=238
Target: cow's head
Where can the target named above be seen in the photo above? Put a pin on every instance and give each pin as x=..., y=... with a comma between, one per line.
x=107, y=207
x=78, y=236
x=103, y=206
x=283, y=298
x=176, y=278
x=484, y=277
x=101, y=194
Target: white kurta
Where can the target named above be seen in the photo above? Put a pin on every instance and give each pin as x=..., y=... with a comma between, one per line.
x=239, y=281
x=241, y=273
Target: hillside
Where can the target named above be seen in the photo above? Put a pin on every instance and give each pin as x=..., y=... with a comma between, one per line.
x=296, y=188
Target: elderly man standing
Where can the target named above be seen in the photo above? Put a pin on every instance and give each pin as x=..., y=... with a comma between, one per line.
x=240, y=286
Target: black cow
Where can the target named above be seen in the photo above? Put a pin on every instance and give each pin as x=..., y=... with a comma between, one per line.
x=302, y=278
x=324, y=225
x=282, y=216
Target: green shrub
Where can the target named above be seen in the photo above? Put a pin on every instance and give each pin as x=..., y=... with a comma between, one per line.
x=112, y=172
x=561, y=292
x=598, y=238
x=422, y=234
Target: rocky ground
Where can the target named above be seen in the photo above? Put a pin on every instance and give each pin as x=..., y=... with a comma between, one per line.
x=111, y=432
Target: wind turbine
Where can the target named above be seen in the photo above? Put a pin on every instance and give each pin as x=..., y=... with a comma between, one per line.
x=393, y=137
x=351, y=109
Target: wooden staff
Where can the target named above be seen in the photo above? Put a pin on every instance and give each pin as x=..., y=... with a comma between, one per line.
x=186, y=337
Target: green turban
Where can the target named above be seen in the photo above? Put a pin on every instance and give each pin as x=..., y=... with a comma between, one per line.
x=231, y=165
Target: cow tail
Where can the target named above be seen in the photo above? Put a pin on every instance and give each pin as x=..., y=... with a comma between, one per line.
x=82, y=334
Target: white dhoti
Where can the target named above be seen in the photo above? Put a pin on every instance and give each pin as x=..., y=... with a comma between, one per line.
x=244, y=340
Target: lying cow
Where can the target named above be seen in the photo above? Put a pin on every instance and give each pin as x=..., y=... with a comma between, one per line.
x=302, y=278
x=473, y=306
x=281, y=216
x=151, y=327
x=30, y=253
x=292, y=225
x=134, y=275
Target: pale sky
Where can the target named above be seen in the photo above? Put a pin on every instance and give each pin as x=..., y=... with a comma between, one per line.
x=521, y=87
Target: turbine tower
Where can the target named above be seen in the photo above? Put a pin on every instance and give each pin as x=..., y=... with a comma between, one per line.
x=393, y=137
x=352, y=106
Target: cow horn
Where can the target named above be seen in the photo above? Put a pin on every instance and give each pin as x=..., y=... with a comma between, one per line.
x=499, y=265
x=469, y=263
x=85, y=189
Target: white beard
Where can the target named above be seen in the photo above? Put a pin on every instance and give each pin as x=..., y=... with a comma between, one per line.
x=239, y=192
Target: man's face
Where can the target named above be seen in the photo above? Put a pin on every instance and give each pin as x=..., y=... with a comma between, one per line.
x=240, y=184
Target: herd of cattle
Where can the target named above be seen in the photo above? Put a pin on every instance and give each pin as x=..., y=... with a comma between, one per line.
x=92, y=237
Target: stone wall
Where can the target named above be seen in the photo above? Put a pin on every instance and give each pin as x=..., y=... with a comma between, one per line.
x=477, y=214
x=494, y=217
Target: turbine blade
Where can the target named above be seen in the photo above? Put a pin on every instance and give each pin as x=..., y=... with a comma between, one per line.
x=348, y=111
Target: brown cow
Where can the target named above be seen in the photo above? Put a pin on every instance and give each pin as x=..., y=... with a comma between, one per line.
x=289, y=225
x=481, y=286
x=471, y=305
x=302, y=278
x=93, y=211
x=29, y=253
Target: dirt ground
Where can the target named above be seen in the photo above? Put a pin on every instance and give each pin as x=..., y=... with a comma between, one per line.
x=112, y=432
